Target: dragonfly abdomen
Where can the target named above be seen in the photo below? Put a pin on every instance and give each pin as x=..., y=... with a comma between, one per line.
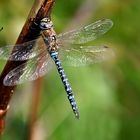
x=68, y=89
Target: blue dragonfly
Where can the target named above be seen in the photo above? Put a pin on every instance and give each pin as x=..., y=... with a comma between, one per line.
x=41, y=51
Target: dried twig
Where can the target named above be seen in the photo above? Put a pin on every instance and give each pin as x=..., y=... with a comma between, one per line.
x=36, y=92
x=40, y=9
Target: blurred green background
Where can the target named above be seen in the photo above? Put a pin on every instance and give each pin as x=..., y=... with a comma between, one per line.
x=108, y=93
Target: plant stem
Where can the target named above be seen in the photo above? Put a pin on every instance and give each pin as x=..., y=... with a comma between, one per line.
x=40, y=9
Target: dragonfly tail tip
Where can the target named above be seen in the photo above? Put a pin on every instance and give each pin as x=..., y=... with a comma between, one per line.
x=77, y=115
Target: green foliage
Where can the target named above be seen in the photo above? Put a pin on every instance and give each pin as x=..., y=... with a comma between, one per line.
x=108, y=94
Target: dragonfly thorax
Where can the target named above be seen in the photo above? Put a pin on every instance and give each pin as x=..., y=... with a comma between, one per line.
x=53, y=44
x=48, y=34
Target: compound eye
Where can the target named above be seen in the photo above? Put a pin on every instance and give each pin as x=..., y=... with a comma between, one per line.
x=43, y=25
x=46, y=23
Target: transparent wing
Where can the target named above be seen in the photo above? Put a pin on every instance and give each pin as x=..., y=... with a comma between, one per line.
x=23, y=51
x=85, y=55
x=87, y=33
x=33, y=69
x=32, y=48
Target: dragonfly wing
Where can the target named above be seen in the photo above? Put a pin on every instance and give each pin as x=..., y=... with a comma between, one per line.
x=87, y=33
x=33, y=69
x=86, y=55
x=23, y=51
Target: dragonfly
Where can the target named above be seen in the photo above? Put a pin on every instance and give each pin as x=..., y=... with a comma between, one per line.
x=48, y=47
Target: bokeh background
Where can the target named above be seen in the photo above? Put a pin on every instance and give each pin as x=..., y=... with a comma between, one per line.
x=108, y=93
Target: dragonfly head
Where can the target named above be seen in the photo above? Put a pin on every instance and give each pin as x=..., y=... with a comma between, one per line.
x=46, y=24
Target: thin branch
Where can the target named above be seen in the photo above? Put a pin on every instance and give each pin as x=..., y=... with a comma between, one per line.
x=40, y=9
x=36, y=94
